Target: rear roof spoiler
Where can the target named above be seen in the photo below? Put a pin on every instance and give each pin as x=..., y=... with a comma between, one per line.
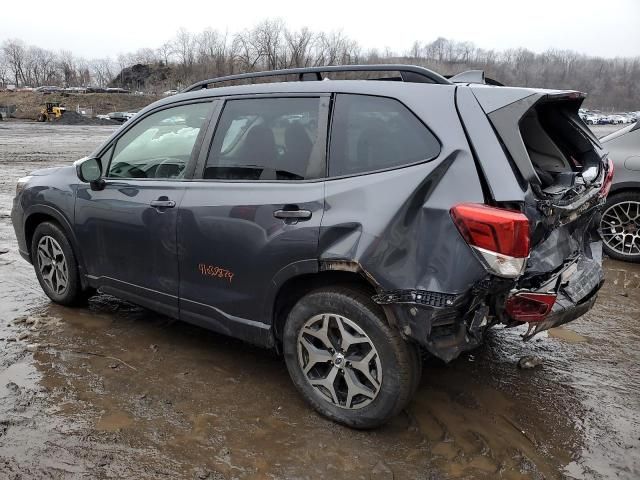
x=473, y=76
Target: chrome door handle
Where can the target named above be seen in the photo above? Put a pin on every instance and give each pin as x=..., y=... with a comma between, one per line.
x=163, y=204
x=292, y=214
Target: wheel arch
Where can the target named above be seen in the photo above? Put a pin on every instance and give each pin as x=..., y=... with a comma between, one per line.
x=38, y=214
x=295, y=287
x=624, y=187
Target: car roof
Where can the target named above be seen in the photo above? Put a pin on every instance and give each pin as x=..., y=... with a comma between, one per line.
x=389, y=88
x=365, y=87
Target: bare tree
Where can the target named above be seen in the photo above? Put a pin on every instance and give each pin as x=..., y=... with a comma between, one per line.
x=4, y=69
x=165, y=51
x=101, y=71
x=67, y=64
x=415, y=50
x=271, y=45
x=145, y=56
x=15, y=53
x=184, y=47
x=299, y=45
x=246, y=52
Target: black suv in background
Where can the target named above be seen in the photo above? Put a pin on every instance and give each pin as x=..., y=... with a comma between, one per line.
x=347, y=223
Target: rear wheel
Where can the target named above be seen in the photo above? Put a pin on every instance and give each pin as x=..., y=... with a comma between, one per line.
x=56, y=266
x=620, y=226
x=346, y=361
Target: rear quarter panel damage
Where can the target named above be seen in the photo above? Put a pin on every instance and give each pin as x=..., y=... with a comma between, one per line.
x=396, y=225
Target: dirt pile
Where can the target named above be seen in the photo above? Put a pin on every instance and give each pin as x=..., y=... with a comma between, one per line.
x=140, y=76
x=73, y=118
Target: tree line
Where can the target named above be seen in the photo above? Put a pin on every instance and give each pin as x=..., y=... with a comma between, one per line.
x=612, y=83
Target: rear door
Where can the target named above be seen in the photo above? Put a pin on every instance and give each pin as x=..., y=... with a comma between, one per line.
x=128, y=229
x=252, y=219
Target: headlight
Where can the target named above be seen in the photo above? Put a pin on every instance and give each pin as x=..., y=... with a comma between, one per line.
x=22, y=182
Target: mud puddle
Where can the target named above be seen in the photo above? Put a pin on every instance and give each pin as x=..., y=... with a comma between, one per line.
x=116, y=391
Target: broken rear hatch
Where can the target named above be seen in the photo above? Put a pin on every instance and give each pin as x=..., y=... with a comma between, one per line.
x=566, y=176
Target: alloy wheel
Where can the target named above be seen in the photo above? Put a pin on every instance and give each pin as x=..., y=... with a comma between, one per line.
x=339, y=361
x=620, y=227
x=52, y=265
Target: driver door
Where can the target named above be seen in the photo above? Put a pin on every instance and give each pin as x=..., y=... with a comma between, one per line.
x=128, y=229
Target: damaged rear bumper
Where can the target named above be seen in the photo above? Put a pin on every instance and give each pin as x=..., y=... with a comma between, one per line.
x=566, y=312
x=447, y=324
x=441, y=323
x=576, y=287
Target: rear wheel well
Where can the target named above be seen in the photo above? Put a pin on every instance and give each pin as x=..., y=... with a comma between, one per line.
x=297, y=287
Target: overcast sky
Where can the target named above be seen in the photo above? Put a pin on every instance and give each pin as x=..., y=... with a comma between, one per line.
x=606, y=28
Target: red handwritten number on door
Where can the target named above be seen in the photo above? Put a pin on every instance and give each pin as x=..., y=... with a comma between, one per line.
x=216, y=272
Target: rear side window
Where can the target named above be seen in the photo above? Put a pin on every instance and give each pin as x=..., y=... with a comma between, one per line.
x=373, y=133
x=267, y=139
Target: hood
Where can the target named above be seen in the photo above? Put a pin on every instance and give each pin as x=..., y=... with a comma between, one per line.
x=52, y=170
x=47, y=171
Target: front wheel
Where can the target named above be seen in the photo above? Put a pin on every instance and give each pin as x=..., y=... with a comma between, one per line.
x=55, y=265
x=346, y=361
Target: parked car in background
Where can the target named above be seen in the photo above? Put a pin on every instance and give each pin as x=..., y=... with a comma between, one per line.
x=120, y=116
x=117, y=90
x=591, y=119
x=620, y=224
x=76, y=90
x=49, y=89
x=345, y=223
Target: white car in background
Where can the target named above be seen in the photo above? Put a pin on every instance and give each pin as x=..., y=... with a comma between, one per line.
x=591, y=119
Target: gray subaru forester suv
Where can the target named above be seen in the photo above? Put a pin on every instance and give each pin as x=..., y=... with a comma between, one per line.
x=348, y=223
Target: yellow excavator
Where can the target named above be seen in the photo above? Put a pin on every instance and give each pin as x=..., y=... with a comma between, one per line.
x=51, y=111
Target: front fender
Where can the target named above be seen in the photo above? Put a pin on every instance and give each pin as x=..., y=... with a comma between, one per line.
x=39, y=212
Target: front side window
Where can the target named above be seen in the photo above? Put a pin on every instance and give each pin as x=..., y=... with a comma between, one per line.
x=267, y=139
x=374, y=133
x=160, y=145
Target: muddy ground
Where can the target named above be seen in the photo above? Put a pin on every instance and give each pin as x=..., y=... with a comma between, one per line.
x=116, y=391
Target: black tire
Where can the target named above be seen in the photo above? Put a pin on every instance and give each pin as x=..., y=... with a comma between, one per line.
x=72, y=294
x=400, y=363
x=611, y=244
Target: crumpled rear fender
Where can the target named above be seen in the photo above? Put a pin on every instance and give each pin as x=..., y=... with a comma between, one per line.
x=395, y=229
x=396, y=225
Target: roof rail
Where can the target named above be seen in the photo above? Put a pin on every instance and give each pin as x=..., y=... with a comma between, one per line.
x=408, y=73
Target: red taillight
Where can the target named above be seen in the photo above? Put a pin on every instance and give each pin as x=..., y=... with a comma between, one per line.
x=608, y=180
x=530, y=307
x=495, y=229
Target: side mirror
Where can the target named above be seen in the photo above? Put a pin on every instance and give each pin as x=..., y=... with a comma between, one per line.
x=90, y=171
